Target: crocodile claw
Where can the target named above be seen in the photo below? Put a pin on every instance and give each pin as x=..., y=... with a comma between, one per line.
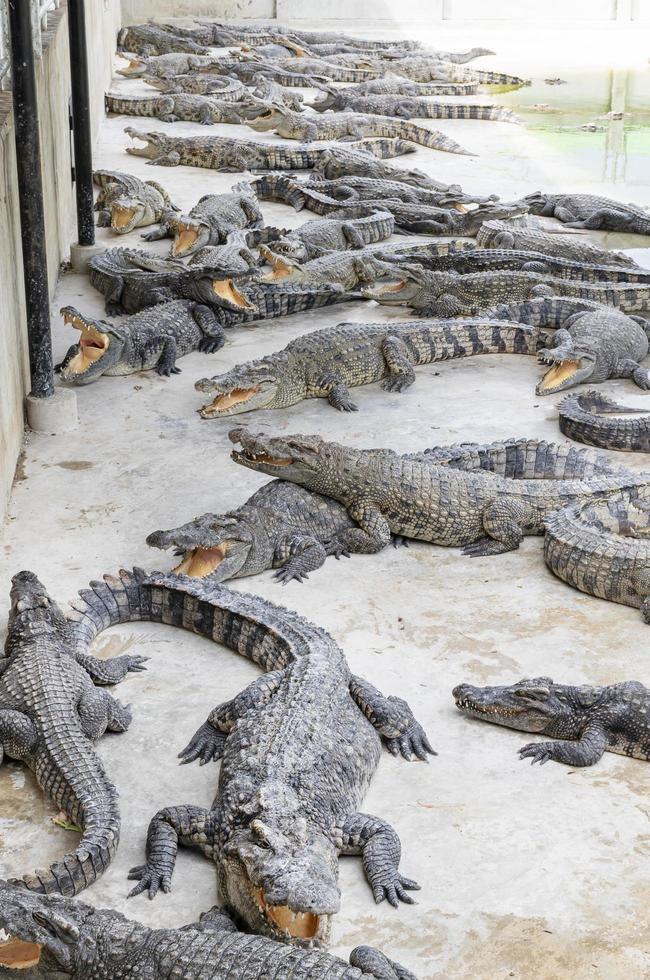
x=413, y=742
x=150, y=880
x=395, y=891
x=207, y=744
x=537, y=751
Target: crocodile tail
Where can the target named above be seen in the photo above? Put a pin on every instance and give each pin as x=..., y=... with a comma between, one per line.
x=434, y=139
x=116, y=599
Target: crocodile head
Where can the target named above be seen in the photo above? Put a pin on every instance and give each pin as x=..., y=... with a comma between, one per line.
x=247, y=387
x=44, y=932
x=413, y=280
x=473, y=218
x=293, y=250
x=127, y=213
x=536, y=202
x=264, y=117
x=190, y=235
x=280, y=876
x=532, y=705
x=136, y=68
x=571, y=363
x=99, y=348
x=210, y=287
x=214, y=546
x=155, y=143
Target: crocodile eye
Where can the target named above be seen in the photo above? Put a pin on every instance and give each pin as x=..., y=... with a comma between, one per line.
x=264, y=844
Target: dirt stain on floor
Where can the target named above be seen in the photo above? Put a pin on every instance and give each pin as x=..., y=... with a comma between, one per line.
x=75, y=464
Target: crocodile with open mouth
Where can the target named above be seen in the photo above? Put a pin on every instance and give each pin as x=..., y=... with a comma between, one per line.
x=321, y=236
x=586, y=417
x=149, y=39
x=55, y=937
x=298, y=749
x=169, y=65
x=152, y=339
x=347, y=269
x=416, y=497
x=592, y=720
x=406, y=107
x=50, y=715
x=125, y=202
x=522, y=235
x=220, y=87
x=184, y=106
x=590, y=211
x=211, y=221
x=226, y=154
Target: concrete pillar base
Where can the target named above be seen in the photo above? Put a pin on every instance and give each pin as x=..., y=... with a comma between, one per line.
x=55, y=414
x=80, y=255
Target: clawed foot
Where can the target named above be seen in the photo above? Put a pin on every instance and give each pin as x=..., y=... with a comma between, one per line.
x=413, y=742
x=376, y=964
x=395, y=890
x=396, y=382
x=334, y=549
x=484, y=548
x=289, y=573
x=211, y=345
x=114, y=671
x=399, y=541
x=164, y=370
x=537, y=751
x=151, y=879
x=207, y=744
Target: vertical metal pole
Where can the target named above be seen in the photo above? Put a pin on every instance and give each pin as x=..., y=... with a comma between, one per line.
x=30, y=192
x=83, y=158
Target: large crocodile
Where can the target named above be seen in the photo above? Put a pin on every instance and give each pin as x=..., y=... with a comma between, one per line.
x=50, y=715
x=589, y=211
x=592, y=720
x=168, y=65
x=235, y=257
x=149, y=39
x=411, y=496
x=125, y=202
x=394, y=84
x=321, y=68
x=520, y=235
x=187, y=107
x=343, y=161
x=373, y=188
x=603, y=548
x=587, y=418
x=449, y=294
x=298, y=748
x=347, y=269
x=220, y=87
x=230, y=155
x=406, y=107
x=152, y=339
x=211, y=221
x=55, y=937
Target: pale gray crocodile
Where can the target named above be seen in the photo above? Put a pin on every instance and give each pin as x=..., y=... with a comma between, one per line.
x=125, y=202
x=521, y=235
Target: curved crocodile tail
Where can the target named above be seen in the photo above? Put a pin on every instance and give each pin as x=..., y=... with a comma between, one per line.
x=130, y=105
x=432, y=138
x=279, y=187
x=580, y=419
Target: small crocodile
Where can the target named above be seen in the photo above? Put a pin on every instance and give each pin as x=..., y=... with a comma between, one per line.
x=507, y=234
x=211, y=221
x=386, y=493
x=152, y=339
x=281, y=526
x=593, y=720
x=50, y=714
x=168, y=65
x=405, y=107
x=204, y=109
x=60, y=938
x=148, y=39
x=448, y=294
x=220, y=87
x=589, y=211
x=125, y=202
x=269, y=91
x=394, y=84
x=347, y=269
x=235, y=258
x=581, y=418
x=603, y=548
x=232, y=155
x=285, y=811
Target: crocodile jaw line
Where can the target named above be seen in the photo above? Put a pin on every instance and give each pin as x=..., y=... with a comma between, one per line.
x=185, y=239
x=561, y=372
x=92, y=346
x=295, y=925
x=226, y=289
x=227, y=403
x=201, y=562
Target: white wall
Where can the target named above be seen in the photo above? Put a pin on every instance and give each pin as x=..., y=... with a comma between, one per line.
x=140, y=11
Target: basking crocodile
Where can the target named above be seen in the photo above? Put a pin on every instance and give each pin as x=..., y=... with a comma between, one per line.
x=347, y=269
x=325, y=364
x=507, y=234
x=322, y=68
x=285, y=811
x=320, y=236
x=603, y=548
x=589, y=211
x=235, y=257
x=425, y=68
x=373, y=188
x=347, y=125
x=204, y=109
x=212, y=220
x=270, y=91
x=281, y=526
x=152, y=339
x=593, y=720
x=448, y=294
x=148, y=39
x=411, y=496
x=391, y=84
x=125, y=202
x=50, y=714
x=405, y=107
x=581, y=418
x=169, y=65
x=340, y=161
x=58, y=937
x=230, y=155
x=218, y=86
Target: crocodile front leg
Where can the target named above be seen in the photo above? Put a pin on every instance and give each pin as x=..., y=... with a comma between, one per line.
x=298, y=555
x=380, y=850
x=503, y=522
x=18, y=734
x=103, y=218
x=399, y=364
x=376, y=964
x=586, y=751
x=631, y=369
x=373, y=532
x=167, y=361
x=113, y=302
x=214, y=335
x=393, y=719
x=335, y=390
x=191, y=826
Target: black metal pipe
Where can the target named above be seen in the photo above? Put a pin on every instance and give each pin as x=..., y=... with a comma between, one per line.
x=83, y=157
x=30, y=194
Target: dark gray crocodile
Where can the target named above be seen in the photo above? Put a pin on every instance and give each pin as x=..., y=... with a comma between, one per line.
x=168, y=65
x=589, y=211
x=343, y=161
x=186, y=107
x=346, y=269
x=448, y=294
x=520, y=235
x=270, y=91
x=226, y=33
x=327, y=363
x=235, y=257
x=152, y=339
x=211, y=221
x=285, y=811
x=414, y=497
x=603, y=548
x=427, y=68
x=148, y=39
x=406, y=107
x=350, y=192
x=54, y=937
x=592, y=720
x=318, y=237
x=50, y=715
x=220, y=87
x=320, y=68
x=586, y=417
x=281, y=526
x=230, y=155
x=125, y=202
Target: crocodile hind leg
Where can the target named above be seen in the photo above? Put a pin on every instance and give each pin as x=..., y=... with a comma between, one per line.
x=99, y=710
x=503, y=522
x=18, y=734
x=214, y=335
x=631, y=369
x=400, y=366
x=599, y=219
x=215, y=919
x=376, y=964
x=167, y=361
x=111, y=671
x=393, y=719
x=335, y=390
x=190, y=826
x=298, y=555
x=641, y=585
x=380, y=850
x=585, y=751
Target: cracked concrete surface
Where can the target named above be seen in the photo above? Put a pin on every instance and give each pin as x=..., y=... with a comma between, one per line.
x=530, y=873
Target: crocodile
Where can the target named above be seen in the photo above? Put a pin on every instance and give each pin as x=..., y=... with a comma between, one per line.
x=125, y=202
x=590, y=211
x=168, y=65
x=347, y=269
x=321, y=236
x=232, y=155
x=282, y=526
x=428, y=68
x=448, y=294
x=505, y=234
x=248, y=32
x=339, y=161
x=393, y=84
x=325, y=364
x=285, y=811
x=405, y=107
x=269, y=91
x=262, y=301
x=235, y=258
x=413, y=497
x=348, y=125
x=51, y=712
x=322, y=68
x=152, y=339
x=603, y=548
x=592, y=720
x=373, y=188
x=148, y=39
x=581, y=418
x=218, y=86
x=211, y=221
x=250, y=71
x=204, y=109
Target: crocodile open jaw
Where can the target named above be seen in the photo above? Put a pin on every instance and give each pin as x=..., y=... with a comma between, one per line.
x=226, y=290
x=16, y=954
x=185, y=239
x=201, y=562
x=560, y=372
x=297, y=925
x=92, y=345
x=222, y=404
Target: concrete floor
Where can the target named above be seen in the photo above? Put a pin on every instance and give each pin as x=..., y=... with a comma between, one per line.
x=529, y=873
